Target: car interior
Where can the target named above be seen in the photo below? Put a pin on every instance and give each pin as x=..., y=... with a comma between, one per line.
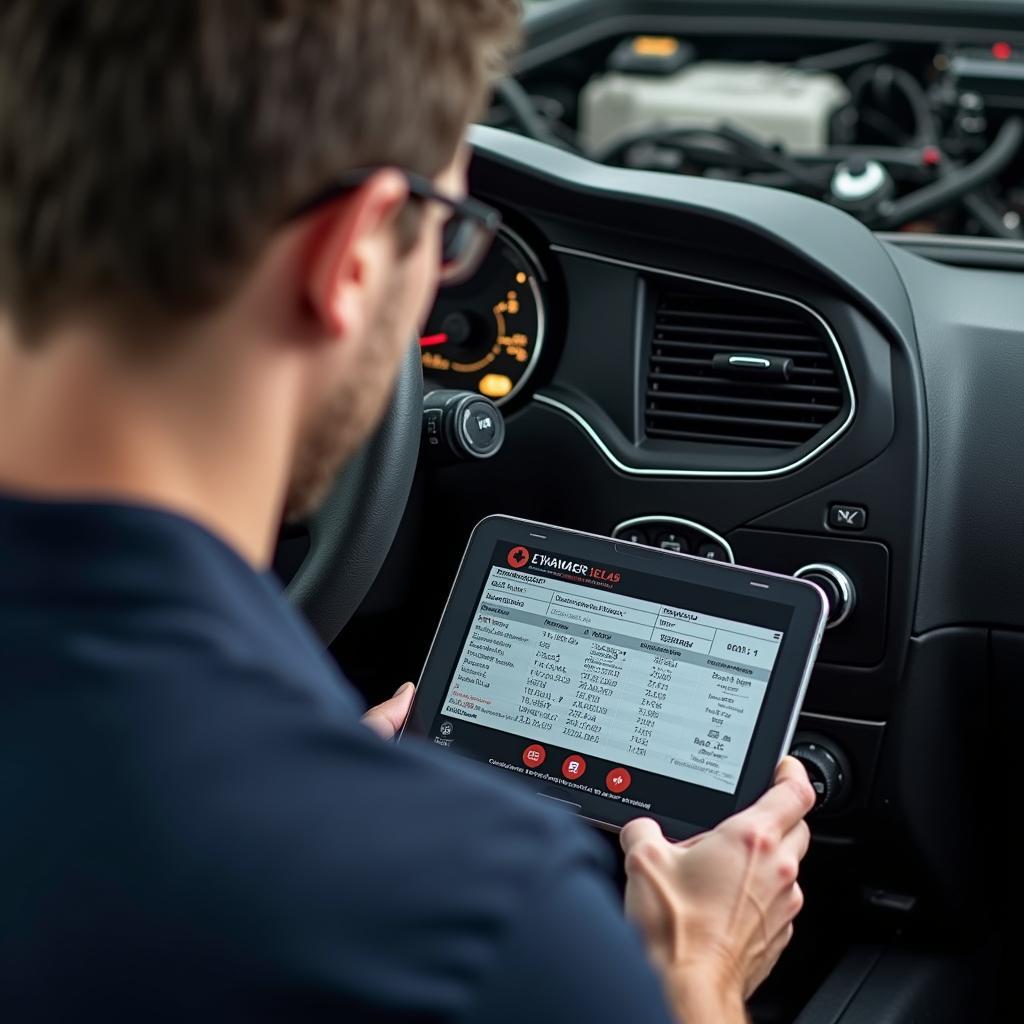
x=758, y=298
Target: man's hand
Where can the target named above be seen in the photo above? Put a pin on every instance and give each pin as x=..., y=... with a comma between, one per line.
x=717, y=911
x=387, y=719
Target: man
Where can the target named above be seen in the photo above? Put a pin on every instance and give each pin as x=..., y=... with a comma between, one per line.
x=196, y=822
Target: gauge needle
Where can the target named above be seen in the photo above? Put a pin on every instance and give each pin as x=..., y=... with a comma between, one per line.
x=433, y=339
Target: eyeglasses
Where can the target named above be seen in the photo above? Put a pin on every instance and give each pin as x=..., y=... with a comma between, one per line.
x=467, y=235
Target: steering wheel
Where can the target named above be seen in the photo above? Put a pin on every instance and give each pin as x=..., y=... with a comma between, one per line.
x=354, y=530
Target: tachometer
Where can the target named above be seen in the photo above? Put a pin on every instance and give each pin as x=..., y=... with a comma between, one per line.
x=486, y=335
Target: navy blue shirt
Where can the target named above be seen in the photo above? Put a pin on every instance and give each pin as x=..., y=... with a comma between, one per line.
x=196, y=824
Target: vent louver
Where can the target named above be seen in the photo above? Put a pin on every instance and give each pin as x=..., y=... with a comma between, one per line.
x=707, y=380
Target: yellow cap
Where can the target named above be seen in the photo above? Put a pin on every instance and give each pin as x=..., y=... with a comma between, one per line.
x=655, y=46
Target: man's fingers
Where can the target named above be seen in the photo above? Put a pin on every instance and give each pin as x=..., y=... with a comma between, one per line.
x=689, y=844
x=639, y=831
x=796, y=842
x=387, y=719
x=792, y=771
x=791, y=799
x=775, y=950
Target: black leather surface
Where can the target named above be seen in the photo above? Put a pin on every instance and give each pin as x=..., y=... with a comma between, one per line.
x=351, y=536
x=969, y=326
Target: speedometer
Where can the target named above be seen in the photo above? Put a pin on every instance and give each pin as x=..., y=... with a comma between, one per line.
x=486, y=335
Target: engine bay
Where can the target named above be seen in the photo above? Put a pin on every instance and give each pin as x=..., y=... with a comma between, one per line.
x=907, y=137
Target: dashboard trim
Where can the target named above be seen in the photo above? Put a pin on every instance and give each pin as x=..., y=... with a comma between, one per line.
x=582, y=422
x=689, y=524
x=844, y=719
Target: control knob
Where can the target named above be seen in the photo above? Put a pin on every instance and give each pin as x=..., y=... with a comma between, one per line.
x=460, y=426
x=838, y=588
x=827, y=770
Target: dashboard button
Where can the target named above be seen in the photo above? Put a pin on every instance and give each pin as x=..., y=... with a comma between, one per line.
x=618, y=780
x=713, y=553
x=635, y=536
x=853, y=518
x=481, y=426
x=673, y=542
x=433, y=425
x=573, y=766
x=837, y=587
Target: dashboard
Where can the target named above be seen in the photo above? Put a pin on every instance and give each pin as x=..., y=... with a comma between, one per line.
x=575, y=314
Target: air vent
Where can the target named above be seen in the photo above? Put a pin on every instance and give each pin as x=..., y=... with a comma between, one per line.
x=738, y=368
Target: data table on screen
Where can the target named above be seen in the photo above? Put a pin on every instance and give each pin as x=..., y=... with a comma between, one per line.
x=668, y=689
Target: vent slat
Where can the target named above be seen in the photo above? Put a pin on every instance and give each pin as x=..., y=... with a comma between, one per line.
x=755, y=385
x=828, y=408
x=800, y=371
x=725, y=418
x=696, y=348
x=747, y=338
x=687, y=435
x=687, y=400
x=753, y=320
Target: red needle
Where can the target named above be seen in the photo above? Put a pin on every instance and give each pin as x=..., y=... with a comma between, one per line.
x=433, y=339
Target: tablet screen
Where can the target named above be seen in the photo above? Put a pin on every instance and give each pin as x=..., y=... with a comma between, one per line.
x=608, y=681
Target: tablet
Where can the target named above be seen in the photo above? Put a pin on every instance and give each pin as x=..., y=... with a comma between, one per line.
x=618, y=680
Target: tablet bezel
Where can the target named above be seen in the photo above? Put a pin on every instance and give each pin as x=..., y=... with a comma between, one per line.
x=780, y=710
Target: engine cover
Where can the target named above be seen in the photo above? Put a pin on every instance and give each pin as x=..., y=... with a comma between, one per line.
x=774, y=103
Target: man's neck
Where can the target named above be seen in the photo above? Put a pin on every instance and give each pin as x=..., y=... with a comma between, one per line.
x=197, y=434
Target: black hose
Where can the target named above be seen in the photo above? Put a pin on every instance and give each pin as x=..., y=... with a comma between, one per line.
x=848, y=57
x=988, y=216
x=524, y=113
x=614, y=151
x=769, y=155
x=893, y=156
x=958, y=183
x=882, y=78
x=745, y=153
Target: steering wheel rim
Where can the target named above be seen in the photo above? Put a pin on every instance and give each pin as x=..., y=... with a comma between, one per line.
x=351, y=535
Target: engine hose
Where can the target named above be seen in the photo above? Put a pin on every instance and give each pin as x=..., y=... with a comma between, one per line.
x=958, y=183
x=525, y=115
x=882, y=78
x=989, y=217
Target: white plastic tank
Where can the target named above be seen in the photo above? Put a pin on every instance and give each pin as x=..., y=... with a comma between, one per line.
x=771, y=102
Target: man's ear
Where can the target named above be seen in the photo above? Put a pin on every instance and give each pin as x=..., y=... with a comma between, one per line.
x=352, y=243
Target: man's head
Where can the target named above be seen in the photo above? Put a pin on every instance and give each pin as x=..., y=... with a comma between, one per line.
x=152, y=157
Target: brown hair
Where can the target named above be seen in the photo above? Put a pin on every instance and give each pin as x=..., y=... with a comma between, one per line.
x=149, y=150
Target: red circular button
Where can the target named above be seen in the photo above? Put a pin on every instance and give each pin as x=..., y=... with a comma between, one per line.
x=573, y=766
x=534, y=755
x=619, y=780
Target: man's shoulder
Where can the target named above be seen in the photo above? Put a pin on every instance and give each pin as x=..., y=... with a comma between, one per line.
x=362, y=859
x=276, y=844
x=286, y=764
x=385, y=809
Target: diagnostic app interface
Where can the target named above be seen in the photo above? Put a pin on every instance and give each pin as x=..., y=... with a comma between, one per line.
x=565, y=655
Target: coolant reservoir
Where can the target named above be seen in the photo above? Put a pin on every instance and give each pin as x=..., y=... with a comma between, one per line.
x=773, y=103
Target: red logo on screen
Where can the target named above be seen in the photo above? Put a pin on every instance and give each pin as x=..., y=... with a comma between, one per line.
x=573, y=766
x=518, y=557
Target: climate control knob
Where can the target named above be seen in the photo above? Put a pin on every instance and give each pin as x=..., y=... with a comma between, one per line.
x=825, y=769
x=838, y=587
